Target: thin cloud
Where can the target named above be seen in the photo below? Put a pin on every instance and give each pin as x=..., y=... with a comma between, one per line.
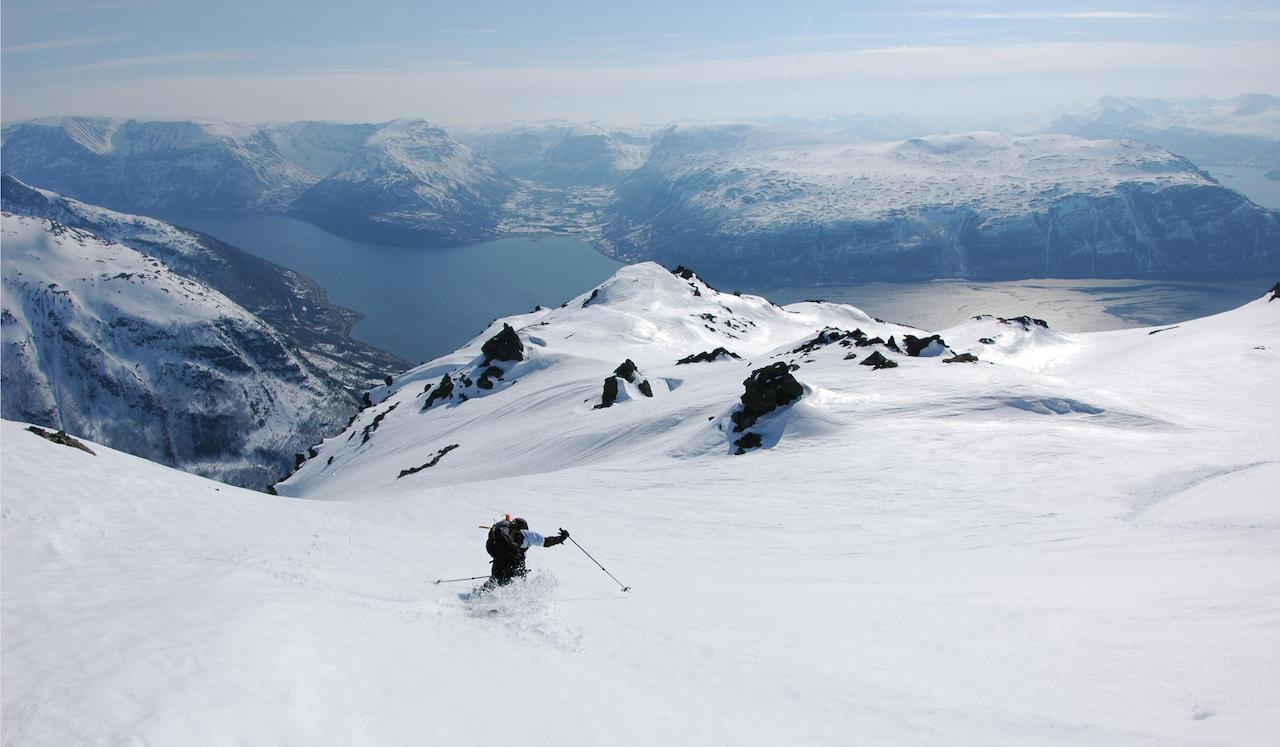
x=82, y=41
x=1035, y=15
x=164, y=60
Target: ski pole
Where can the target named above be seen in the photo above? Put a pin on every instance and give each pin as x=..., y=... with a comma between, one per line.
x=451, y=580
x=593, y=560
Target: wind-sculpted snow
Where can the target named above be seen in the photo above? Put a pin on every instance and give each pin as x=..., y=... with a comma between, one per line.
x=111, y=344
x=764, y=205
x=1074, y=540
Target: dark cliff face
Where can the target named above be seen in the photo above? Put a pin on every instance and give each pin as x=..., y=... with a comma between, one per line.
x=1131, y=230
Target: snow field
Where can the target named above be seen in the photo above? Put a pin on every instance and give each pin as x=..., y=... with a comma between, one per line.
x=1077, y=544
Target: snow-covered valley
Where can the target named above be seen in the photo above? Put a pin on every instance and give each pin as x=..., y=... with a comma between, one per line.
x=1074, y=539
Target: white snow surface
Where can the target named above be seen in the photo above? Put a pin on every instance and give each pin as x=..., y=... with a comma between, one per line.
x=1074, y=541
x=762, y=176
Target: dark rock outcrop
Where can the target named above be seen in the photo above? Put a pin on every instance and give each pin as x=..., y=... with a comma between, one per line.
x=916, y=345
x=504, y=346
x=1275, y=292
x=60, y=437
x=766, y=390
x=877, y=361
x=631, y=374
x=828, y=336
x=705, y=357
x=430, y=463
x=373, y=426
x=749, y=440
x=1024, y=321
x=961, y=358
x=443, y=390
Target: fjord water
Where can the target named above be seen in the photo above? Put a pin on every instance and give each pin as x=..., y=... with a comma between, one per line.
x=1068, y=305
x=423, y=302
x=417, y=302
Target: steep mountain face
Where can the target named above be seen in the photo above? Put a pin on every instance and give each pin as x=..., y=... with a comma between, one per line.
x=408, y=182
x=111, y=344
x=1241, y=131
x=562, y=155
x=144, y=165
x=760, y=205
x=291, y=303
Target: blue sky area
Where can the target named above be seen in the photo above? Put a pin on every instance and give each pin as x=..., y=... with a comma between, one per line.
x=471, y=63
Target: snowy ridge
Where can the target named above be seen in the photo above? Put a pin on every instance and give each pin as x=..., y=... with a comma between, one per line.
x=645, y=314
x=1076, y=543
x=108, y=343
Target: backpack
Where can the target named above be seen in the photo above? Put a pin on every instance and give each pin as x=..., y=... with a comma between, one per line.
x=501, y=545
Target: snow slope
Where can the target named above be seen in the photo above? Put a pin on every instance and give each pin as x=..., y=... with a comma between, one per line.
x=1076, y=544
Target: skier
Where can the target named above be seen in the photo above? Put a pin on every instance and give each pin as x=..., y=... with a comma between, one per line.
x=508, y=540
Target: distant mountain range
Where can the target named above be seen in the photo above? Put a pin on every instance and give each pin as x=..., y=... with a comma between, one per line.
x=826, y=203
x=400, y=182
x=1241, y=131
x=757, y=204
x=168, y=344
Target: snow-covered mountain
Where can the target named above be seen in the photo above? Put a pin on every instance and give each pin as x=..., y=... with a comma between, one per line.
x=291, y=303
x=408, y=182
x=402, y=181
x=1244, y=130
x=562, y=155
x=759, y=204
x=146, y=165
x=1072, y=538
x=111, y=332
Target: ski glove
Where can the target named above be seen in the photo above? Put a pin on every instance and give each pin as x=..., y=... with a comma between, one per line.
x=553, y=541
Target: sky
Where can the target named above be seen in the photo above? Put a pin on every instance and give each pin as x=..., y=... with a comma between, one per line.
x=478, y=63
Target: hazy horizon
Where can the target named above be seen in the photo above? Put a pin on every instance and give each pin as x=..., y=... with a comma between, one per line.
x=466, y=66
